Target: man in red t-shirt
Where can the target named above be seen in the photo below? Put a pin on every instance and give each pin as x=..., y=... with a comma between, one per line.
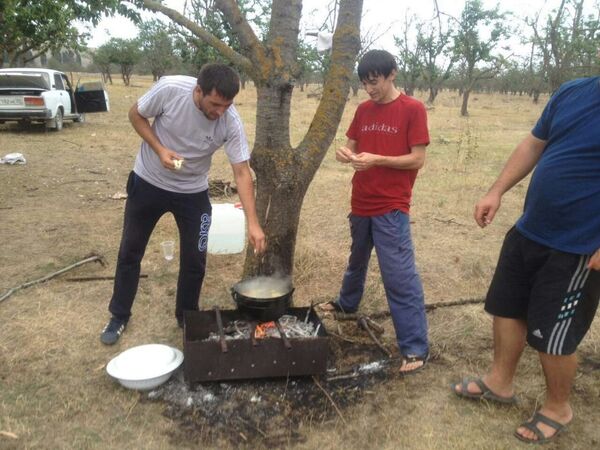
x=386, y=147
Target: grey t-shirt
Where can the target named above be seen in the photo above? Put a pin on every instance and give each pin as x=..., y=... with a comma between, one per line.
x=183, y=128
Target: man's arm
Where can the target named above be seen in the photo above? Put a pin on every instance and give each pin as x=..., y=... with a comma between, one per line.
x=245, y=187
x=522, y=161
x=142, y=126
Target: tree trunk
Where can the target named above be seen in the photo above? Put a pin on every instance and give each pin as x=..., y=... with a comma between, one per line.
x=465, y=102
x=283, y=173
x=433, y=92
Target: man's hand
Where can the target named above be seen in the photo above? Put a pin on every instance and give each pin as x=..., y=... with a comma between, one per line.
x=257, y=238
x=594, y=263
x=168, y=158
x=364, y=161
x=344, y=155
x=486, y=209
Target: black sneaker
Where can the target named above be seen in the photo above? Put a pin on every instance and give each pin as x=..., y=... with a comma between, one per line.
x=113, y=331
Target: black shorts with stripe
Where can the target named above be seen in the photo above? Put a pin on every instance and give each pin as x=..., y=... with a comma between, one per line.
x=553, y=291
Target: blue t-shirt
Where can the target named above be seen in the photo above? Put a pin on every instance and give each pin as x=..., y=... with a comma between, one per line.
x=562, y=207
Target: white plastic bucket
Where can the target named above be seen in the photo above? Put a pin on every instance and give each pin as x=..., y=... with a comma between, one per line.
x=227, y=233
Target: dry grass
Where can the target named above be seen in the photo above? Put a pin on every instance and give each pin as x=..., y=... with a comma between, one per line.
x=54, y=392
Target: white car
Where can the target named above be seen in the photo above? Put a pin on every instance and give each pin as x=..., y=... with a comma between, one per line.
x=45, y=95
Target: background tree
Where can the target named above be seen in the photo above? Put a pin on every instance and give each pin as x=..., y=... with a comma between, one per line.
x=409, y=64
x=157, y=48
x=437, y=61
x=309, y=63
x=125, y=53
x=565, y=46
x=538, y=61
x=30, y=28
x=102, y=59
x=473, y=51
x=283, y=172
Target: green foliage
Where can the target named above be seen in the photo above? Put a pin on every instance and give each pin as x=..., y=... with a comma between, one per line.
x=473, y=50
x=567, y=44
x=195, y=52
x=309, y=62
x=102, y=59
x=470, y=47
x=410, y=66
x=32, y=27
x=436, y=57
x=124, y=53
x=157, y=48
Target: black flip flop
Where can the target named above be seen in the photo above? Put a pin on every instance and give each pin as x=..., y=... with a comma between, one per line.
x=485, y=392
x=532, y=425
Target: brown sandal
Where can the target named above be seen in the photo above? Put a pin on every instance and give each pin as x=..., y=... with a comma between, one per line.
x=408, y=359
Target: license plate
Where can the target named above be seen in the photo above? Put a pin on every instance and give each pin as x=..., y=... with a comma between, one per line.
x=11, y=101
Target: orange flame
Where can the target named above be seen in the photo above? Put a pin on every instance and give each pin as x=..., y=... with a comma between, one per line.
x=261, y=329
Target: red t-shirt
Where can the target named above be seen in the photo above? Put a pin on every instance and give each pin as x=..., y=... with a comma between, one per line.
x=389, y=129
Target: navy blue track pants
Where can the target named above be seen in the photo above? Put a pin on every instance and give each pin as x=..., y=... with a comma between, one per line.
x=146, y=204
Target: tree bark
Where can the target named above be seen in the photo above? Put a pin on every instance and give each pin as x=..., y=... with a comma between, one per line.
x=433, y=92
x=465, y=102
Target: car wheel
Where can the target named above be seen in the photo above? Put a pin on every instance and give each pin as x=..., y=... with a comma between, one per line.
x=80, y=118
x=56, y=124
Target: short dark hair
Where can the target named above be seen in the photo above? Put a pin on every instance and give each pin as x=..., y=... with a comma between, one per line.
x=375, y=63
x=220, y=77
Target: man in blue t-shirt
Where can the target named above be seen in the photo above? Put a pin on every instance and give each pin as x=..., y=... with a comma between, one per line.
x=546, y=286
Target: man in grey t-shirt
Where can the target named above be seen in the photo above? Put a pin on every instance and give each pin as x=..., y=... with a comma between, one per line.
x=192, y=119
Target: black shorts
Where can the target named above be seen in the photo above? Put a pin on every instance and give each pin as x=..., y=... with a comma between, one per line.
x=553, y=291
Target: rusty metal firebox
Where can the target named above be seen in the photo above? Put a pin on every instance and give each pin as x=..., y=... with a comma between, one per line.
x=221, y=359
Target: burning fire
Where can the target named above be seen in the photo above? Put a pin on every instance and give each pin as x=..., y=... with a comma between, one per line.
x=262, y=328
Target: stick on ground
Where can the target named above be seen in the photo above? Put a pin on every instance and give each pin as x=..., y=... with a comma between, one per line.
x=88, y=259
x=330, y=399
x=97, y=278
x=428, y=307
x=362, y=323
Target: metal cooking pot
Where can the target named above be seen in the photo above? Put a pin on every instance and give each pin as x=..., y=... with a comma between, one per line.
x=263, y=298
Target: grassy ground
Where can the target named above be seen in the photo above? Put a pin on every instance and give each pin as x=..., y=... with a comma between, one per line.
x=56, y=209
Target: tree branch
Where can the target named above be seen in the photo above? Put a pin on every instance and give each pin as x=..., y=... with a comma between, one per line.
x=346, y=44
x=239, y=60
x=251, y=46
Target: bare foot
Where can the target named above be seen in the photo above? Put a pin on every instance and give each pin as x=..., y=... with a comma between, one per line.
x=332, y=306
x=326, y=307
x=412, y=364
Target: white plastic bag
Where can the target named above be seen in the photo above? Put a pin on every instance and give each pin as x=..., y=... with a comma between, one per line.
x=13, y=158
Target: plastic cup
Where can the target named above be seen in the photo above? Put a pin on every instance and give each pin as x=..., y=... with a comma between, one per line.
x=168, y=249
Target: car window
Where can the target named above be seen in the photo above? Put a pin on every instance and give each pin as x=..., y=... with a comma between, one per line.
x=66, y=82
x=24, y=80
x=58, y=82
